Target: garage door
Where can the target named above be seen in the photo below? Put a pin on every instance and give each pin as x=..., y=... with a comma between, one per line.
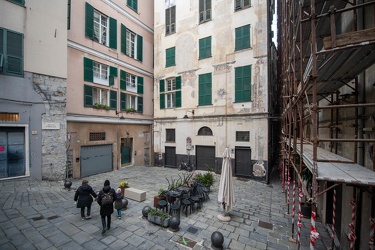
x=205, y=156
x=96, y=159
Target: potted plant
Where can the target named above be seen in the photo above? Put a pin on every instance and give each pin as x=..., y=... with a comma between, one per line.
x=129, y=110
x=158, y=217
x=123, y=185
x=160, y=196
x=207, y=179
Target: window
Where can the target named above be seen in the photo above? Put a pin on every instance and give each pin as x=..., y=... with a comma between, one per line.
x=131, y=44
x=204, y=10
x=99, y=73
x=242, y=37
x=205, y=131
x=133, y=4
x=170, y=93
x=9, y=117
x=11, y=52
x=241, y=4
x=170, y=135
x=170, y=20
x=100, y=136
x=205, y=89
x=204, y=47
x=131, y=83
x=170, y=57
x=242, y=135
x=100, y=28
x=93, y=96
x=242, y=84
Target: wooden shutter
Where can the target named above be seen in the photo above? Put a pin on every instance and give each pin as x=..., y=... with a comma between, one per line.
x=238, y=39
x=14, y=56
x=238, y=85
x=89, y=21
x=140, y=104
x=246, y=83
x=122, y=80
x=112, y=75
x=139, y=85
x=162, y=101
x=178, y=99
x=170, y=57
x=246, y=36
x=122, y=101
x=113, y=99
x=87, y=96
x=123, y=39
x=178, y=82
x=205, y=89
x=88, y=65
x=112, y=33
x=139, y=48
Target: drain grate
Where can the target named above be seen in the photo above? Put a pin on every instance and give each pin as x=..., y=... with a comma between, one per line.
x=53, y=217
x=192, y=230
x=265, y=225
x=38, y=218
x=186, y=242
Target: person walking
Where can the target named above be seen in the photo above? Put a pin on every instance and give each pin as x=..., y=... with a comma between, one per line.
x=105, y=200
x=83, y=198
x=118, y=202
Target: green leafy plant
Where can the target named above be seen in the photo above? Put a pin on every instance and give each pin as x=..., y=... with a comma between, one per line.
x=207, y=179
x=158, y=213
x=161, y=191
x=124, y=184
x=128, y=110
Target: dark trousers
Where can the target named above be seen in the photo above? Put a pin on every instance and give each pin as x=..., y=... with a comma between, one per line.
x=108, y=224
x=83, y=211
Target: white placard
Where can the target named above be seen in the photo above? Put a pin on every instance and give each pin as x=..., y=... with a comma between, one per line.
x=50, y=125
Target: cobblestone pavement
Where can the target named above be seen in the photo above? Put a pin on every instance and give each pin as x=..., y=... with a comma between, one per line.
x=42, y=215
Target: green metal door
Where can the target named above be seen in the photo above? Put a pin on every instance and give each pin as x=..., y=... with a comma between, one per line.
x=125, y=155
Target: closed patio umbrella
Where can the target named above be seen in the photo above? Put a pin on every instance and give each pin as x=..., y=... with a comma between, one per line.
x=226, y=191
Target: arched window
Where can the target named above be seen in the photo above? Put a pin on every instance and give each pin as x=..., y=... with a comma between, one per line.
x=205, y=131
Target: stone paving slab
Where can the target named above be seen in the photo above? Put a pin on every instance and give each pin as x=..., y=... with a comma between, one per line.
x=42, y=215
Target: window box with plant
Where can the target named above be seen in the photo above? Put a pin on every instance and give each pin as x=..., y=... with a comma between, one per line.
x=101, y=106
x=158, y=217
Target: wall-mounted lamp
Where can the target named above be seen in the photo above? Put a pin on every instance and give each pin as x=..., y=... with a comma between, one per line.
x=186, y=116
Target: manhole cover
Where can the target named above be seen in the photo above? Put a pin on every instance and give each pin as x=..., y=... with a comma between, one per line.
x=186, y=242
x=53, y=217
x=265, y=225
x=242, y=179
x=192, y=230
x=38, y=218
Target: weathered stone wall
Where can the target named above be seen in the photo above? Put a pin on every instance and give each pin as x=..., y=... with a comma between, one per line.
x=53, y=92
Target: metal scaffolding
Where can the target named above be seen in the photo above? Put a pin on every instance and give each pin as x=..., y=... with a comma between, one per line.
x=324, y=47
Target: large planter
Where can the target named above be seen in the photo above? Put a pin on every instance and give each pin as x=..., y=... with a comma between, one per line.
x=158, y=220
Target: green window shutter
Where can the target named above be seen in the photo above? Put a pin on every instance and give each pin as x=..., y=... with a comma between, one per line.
x=21, y=2
x=170, y=57
x=112, y=75
x=133, y=4
x=122, y=80
x=205, y=89
x=88, y=66
x=139, y=85
x=68, y=14
x=14, y=53
x=140, y=104
x=139, y=48
x=162, y=101
x=178, y=82
x=112, y=33
x=246, y=36
x=161, y=86
x=243, y=84
x=87, y=96
x=204, y=47
x=89, y=21
x=123, y=39
x=113, y=99
x=178, y=99
x=122, y=101
x=238, y=39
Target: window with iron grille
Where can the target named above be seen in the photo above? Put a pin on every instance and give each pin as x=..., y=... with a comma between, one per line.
x=205, y=131
x=242, y=136
x=171, y=135
x=100, y=136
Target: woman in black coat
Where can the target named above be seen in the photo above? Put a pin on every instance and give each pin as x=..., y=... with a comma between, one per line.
x=106, y=210
x=84, y=196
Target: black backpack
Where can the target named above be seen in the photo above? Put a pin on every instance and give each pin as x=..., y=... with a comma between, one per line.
x=107, y=199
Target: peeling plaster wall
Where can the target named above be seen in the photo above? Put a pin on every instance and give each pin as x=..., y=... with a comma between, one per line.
x=225, y=116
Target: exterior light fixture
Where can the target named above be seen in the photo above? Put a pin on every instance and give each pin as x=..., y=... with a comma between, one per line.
x=186, y=116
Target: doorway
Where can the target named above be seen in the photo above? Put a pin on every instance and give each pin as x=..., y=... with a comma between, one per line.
x=126, y=151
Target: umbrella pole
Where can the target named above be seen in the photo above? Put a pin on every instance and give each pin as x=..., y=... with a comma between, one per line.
x=225, y=216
